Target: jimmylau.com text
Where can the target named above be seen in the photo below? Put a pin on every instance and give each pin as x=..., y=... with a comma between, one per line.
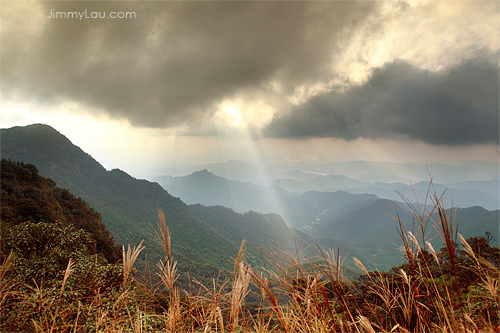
x=90, y=15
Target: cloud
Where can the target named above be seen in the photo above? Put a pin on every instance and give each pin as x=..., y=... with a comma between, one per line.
x=455, y=107
x=310, y=68
x=172, y=64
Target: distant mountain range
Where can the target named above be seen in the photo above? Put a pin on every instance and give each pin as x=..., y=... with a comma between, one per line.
x=209, y=186
x=205, y=188
x=364, y=221
x=260, y=172
x=282, y=196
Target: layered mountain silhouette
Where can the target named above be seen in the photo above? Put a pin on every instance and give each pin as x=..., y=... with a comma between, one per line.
x=340, y=176
x=201, y=241
x=206, y=238
x=365, y=221
x=205, y=188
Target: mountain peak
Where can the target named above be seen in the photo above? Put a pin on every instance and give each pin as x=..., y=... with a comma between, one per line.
x=202, y=173
x=37, y=125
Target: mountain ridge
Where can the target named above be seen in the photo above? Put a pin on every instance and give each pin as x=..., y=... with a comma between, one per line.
x=128, y=205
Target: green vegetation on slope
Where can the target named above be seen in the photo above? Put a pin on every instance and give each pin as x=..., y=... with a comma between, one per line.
x=128, y=206
x=47, y=232
x=268, y=230
x=372, y=228
x=27, y=196
x=455, y=289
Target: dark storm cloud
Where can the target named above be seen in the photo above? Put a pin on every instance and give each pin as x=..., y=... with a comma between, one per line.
x=175, y=60
x=460, y=106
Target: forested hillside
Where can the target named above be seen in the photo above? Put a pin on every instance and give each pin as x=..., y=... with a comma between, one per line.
x=27, y=196
x=129, y=206
x=263, y=231
x=46, y=233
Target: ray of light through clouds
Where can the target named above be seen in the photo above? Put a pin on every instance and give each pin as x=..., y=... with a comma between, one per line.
x=201, y=82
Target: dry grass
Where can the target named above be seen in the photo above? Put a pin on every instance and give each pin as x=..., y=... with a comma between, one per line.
x=6, y=286
x=297, y=295
x=129, y=258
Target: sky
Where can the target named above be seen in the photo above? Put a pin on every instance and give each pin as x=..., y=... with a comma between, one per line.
x=200, y=82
